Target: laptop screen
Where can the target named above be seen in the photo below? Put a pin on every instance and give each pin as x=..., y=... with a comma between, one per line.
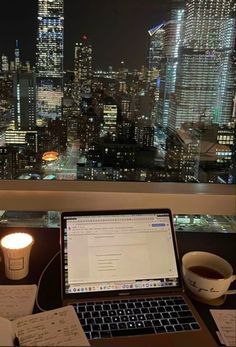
x=119, y=250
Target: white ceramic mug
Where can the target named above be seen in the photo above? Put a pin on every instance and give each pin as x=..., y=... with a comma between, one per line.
x=207, y=275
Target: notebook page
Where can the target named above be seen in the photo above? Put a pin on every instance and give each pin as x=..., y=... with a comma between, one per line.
x=17, y=300
x=59, y=327
x=226, y=323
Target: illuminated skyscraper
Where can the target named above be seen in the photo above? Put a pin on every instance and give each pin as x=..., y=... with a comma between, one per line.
x=49, y=58
x=83, y=69
x=170, y=59
x=24, y=97
x=156, y=46
x=17, y=56
x=204, y=80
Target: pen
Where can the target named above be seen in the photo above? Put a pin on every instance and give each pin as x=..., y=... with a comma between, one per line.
x=16, y=341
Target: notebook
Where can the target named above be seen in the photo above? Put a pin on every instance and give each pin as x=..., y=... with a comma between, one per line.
x=121, y=271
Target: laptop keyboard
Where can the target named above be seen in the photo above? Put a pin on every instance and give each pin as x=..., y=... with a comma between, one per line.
x=108, y=319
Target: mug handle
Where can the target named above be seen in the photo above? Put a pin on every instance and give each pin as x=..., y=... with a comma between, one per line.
x=234, y=290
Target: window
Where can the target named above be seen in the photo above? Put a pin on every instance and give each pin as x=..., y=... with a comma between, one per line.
x=81, y=98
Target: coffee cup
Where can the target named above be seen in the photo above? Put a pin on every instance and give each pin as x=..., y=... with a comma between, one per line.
x=207, y=275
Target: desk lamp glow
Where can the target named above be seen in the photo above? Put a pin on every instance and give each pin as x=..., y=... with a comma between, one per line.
x=16, y=249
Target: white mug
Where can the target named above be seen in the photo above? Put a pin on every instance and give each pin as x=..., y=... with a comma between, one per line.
x=207, y=275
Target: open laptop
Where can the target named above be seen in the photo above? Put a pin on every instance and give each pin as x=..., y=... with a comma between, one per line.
x=120, y=270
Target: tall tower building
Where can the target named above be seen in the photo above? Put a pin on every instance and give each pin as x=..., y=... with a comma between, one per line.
x=82, y=69
x=170, y=60
x=204, y=81
x=155, y=46
x=5, y=63
x=24, y=96
x=49, y=58
x=17, y=56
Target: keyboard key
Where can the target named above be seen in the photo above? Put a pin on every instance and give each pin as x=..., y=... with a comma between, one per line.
x=86, y=327
x=139, y=324
x=106, y=307
x=182, y=320
x=178, y=327
x=96, y=314
x=124, y=319
x=173, y=321
x=147, y=323
x=96, y=327
x=169, y=328
x=116, y=319
x=130, y=325
x=165, y=315
x=98, y=307
x=160, y=329
x=133, y=318
x=114, y=306
x=164, y=322
x=129, y=332
x=122, y=325
x=113, y=326
x=185, y=314
x=186, y=326
x=104, y=327
x=105, y=334
x=156, y=322
x=95, y=334
x=107, y=319
x=195, y=326
x=87, y=315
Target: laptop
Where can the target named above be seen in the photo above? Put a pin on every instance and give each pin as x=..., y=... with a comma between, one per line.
x=120, y=271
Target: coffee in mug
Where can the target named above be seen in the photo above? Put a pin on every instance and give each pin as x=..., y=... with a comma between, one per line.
x=207, y=275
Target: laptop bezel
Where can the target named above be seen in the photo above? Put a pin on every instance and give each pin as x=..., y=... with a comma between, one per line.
x=112, y=293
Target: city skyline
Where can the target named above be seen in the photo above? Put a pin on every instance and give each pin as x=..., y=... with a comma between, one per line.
x=110, y=29
x=147, y=95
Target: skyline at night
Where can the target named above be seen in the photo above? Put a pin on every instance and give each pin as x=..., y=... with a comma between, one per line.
x=121, y=91
x=110, y=28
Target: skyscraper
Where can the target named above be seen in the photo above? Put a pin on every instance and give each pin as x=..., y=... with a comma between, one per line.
x=156, y=46
x=24, y=97
x=49, y=58
x=204, y=80
x=170, y=59
x=82, y=69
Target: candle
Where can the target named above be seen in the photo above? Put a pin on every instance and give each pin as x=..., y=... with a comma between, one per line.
x=16, y=249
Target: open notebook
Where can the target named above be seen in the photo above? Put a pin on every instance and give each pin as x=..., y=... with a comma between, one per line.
x=120, y=270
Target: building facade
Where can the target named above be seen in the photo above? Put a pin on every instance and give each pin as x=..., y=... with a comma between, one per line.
x=49, y=58
x=204, y=80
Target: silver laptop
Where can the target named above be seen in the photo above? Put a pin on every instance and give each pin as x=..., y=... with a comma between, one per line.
x=120, y=270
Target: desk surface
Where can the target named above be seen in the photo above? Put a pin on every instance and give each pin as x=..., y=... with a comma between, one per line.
x=47, y=244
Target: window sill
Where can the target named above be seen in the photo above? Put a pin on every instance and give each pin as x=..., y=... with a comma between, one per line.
x=182, y=198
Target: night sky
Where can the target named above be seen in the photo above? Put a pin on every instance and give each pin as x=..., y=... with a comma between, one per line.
x=117, y=29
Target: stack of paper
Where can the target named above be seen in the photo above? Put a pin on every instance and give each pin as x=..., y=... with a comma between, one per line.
x=226, y=324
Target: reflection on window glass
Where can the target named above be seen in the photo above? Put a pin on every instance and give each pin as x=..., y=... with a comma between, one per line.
x=51, y=219
x=120, y=91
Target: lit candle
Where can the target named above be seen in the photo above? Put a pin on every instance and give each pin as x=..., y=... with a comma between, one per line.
x=16, y=249
x=16, y=240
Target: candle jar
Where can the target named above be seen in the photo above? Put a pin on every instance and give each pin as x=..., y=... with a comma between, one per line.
x=16, y=250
